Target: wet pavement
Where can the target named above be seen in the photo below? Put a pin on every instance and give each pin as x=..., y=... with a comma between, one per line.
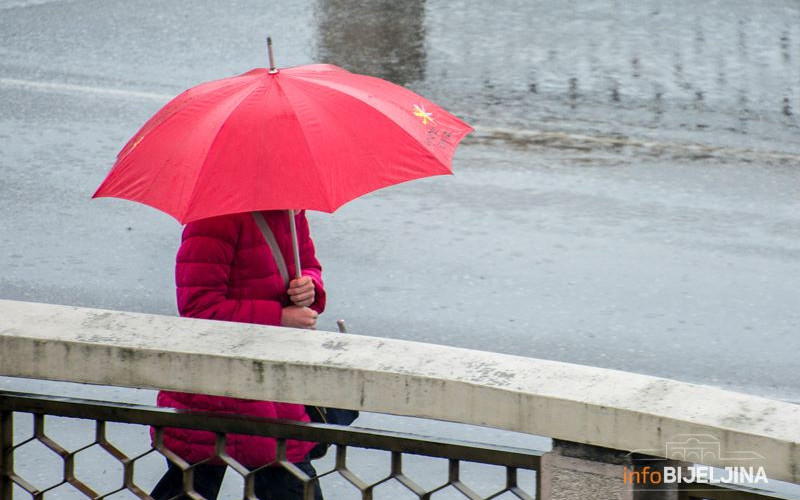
x=629, y=199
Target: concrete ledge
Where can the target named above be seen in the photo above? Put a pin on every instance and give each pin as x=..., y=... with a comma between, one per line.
x=607, y=408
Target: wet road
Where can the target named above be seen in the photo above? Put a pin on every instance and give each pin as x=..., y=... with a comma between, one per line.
x=629, y=199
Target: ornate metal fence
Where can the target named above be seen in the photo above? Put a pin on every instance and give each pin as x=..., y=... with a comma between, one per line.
x=126, y=483
x=520, y=466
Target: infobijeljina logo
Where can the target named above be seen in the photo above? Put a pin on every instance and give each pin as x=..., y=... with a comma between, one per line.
x=693, y=448
x=694, y=474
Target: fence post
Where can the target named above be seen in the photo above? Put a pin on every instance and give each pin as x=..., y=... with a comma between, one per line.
x=6, y=454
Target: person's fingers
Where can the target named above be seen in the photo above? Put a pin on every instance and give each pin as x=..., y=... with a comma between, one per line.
x=302, y=297
x=303, y=302
x=309, y=287
x=299, y=316
x=301, y=282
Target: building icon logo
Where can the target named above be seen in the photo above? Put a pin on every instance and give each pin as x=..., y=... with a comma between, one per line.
x=703, y=448
x=694, y=450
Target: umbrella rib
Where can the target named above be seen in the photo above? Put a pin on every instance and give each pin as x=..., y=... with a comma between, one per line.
x=190, y=201
x=330, y=205
x=179, y=104
x=342, y=89
x=389, y=118
x=422, y=150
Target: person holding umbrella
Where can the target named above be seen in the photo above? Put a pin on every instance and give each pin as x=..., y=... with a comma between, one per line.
x=225, y=270
x=234, y=159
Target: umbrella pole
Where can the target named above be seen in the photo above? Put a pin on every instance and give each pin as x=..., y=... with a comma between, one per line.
x=295, y=247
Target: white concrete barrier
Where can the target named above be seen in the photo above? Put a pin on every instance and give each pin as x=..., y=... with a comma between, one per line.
x=581, y=404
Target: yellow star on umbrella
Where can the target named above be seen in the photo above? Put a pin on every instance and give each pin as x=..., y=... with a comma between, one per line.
x=426, y=116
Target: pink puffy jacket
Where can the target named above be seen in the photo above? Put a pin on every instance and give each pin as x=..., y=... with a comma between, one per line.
x=226, y=271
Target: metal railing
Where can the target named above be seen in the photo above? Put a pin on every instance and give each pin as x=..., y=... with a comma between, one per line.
x=342, y=439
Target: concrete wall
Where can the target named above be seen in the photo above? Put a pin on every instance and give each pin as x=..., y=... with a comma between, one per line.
x=600, y=407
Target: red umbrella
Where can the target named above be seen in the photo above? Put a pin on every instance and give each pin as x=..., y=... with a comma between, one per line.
x=309, y=137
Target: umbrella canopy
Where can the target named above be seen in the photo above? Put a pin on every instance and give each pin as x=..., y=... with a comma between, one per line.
x=309, y=137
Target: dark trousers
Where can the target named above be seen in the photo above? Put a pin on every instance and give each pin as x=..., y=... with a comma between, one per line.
x=271, y=483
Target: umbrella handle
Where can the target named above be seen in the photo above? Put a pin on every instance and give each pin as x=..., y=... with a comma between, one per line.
x=298, y=271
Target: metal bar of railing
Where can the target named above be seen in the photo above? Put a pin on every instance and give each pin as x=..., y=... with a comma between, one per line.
x=281, y=429
x=6, y=452
x=397, y=443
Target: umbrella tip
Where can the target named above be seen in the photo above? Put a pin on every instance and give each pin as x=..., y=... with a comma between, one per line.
x=272, y=68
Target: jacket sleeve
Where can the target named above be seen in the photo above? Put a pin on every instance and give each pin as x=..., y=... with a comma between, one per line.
x=309, y=263
x=202, y=269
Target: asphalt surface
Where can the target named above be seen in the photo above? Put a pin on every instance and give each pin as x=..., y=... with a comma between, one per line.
x=629, y=199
